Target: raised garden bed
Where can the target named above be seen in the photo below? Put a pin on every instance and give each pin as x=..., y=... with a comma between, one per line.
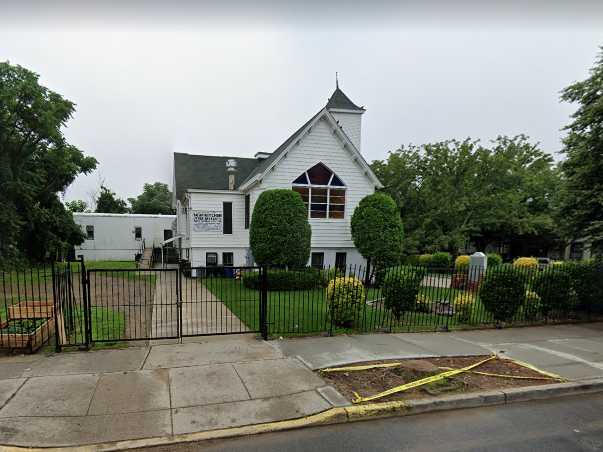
x=370, y=382
x=31, y=310
x=25, y=334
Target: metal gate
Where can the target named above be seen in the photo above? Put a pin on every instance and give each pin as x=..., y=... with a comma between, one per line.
x=123, y=304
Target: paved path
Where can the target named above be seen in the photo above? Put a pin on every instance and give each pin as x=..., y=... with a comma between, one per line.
x=224, y=381
x=202, y=312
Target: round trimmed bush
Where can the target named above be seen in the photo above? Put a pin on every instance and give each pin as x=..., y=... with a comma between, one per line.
x=463, y=306
x=377, y=230
x=528, y=263
x=502, y=293
x=553, y=286
x=441, y=260
x=494, y=259
x=279, y=233
x=461, y=263
x=345, y=299
x=425, y=259
x=400, y=289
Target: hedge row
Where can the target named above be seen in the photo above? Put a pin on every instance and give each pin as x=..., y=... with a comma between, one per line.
x=301, y=279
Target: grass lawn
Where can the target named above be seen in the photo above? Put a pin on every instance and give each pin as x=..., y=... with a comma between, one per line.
x=306, y=311
x=107, y=325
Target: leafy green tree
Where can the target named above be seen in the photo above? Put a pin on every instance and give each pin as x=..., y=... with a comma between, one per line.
x=452, y=192
x=36, y=164
x=582, y=200
x=155, y=199
x=108, y=202
x=377, y=230
x=76, y=205
x=280, y=233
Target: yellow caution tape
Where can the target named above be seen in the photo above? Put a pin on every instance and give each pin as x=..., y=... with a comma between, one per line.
x=490, y=374
x=355, y=368
x=421, y=382
x=536, y=369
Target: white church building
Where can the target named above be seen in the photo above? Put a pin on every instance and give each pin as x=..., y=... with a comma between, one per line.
x=322, y=160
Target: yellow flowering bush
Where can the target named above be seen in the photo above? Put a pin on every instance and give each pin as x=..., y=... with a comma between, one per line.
x=532, y=304
x=345, y=298
x=463, y=306
x=462, y=262
x=528, y=263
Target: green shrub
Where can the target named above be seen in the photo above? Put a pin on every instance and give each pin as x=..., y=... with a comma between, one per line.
x=412, y=259
x=494, y=259
x=279, y=233
x=463, y=306
x=553, y=286
x=345, y=299
x=441, y=260
x=400, y=289
x=425, y=259
x=377, y=229
x=502, y=293
x=587, y=284
x=302, y=279
x=532, y=305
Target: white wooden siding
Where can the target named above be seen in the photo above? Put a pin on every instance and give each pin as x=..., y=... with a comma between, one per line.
x=213, y=201
x=322, y=145
x=351, y=124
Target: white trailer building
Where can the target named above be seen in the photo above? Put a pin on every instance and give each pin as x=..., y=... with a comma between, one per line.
x=113, y=236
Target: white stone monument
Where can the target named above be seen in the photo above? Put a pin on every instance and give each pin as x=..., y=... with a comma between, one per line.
x=477, y=266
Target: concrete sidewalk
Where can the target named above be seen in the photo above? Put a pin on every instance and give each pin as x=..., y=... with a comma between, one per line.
x=225, y=381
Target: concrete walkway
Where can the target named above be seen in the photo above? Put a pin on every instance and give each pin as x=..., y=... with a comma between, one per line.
x=202, y=312
x=224, y=381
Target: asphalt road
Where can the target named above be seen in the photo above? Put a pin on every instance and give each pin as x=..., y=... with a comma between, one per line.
x=563, y=424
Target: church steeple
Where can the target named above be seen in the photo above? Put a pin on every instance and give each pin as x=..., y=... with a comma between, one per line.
x=339, y=101
x=346, y=113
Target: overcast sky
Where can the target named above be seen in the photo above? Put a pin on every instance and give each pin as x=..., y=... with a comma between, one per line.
x=220, y=79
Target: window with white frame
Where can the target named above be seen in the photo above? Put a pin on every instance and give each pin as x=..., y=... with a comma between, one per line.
x=322, y=191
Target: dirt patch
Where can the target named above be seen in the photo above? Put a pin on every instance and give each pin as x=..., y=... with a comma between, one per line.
x=373, y=381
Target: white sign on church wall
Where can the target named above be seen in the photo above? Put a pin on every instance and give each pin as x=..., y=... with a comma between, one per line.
x=207, y=220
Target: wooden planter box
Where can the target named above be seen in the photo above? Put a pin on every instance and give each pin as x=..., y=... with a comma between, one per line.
x=31, y=341
x=31, y=310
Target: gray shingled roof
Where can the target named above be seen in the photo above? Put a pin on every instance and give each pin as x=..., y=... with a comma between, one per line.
x=266, y=162
x=207, y=172
x=339, y=100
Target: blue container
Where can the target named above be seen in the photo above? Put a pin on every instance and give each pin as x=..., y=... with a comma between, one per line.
x=229, y=272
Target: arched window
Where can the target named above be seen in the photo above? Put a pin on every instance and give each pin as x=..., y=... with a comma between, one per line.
x=322, y=191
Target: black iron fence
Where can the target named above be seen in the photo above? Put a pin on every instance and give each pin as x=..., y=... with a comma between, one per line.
x=79, y=306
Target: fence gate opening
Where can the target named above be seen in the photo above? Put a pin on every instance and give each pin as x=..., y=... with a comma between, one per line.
x=113, y=305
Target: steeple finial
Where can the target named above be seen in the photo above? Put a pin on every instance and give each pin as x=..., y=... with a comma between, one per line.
x=336, y=80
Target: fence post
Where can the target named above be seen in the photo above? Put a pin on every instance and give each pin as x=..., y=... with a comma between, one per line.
x=85, y=281
x=264, y=302
x=179, y=299
x=57, y=342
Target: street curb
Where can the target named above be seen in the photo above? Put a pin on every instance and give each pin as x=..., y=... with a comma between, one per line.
x=352, y=413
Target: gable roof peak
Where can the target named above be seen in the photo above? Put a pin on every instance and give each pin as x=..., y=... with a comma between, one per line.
x=339, y=101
